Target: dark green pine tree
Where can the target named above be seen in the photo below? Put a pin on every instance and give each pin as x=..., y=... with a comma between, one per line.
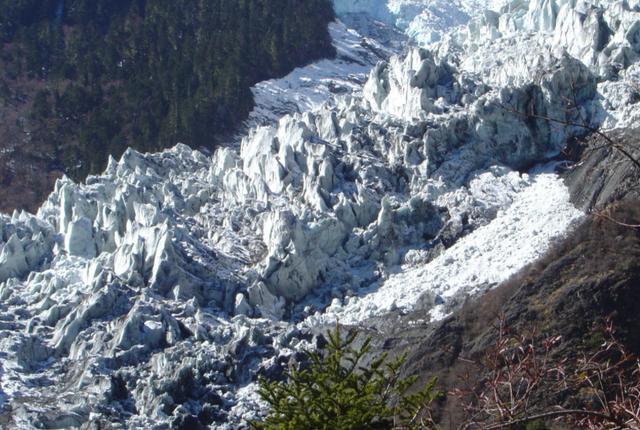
x=339, y=392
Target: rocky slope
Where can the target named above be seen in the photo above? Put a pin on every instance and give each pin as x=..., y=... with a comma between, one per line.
x=153, y=294
x=586, y=278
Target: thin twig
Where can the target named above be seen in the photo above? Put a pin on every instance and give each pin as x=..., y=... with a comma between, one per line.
x=587, y=127
x=613, y=220
x=552, y=414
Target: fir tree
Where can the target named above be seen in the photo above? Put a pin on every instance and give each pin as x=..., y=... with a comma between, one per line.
x=338, y=392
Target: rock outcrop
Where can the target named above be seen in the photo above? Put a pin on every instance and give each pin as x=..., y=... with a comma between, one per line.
x=603, y=174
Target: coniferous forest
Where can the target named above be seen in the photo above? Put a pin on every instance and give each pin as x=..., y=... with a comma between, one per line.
x=82, y=79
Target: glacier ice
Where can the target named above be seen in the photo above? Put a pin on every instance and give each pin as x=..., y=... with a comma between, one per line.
x=387, y=179
x=424, y=21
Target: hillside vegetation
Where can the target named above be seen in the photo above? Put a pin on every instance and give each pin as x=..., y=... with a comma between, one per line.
x=82, y=79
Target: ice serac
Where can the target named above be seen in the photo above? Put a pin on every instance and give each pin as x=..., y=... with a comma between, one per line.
x=153, y=294
x=25, y=244
x=426, y=22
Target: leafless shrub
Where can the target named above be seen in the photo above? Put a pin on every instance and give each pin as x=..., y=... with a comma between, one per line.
x=524, y=381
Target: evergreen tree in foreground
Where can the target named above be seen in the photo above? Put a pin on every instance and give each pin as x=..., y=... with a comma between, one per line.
x=338, y=392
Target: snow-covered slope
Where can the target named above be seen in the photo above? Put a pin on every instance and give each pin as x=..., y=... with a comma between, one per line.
x=518, y=235
x=307, y=88
x=154, y=293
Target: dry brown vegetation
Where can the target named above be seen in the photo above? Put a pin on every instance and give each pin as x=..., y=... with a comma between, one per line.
x=524, y=384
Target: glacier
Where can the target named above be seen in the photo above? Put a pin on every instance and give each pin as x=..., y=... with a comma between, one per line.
x=399, y=176
x=423, y=21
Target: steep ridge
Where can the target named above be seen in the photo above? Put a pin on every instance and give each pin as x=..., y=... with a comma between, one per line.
x=154, y=293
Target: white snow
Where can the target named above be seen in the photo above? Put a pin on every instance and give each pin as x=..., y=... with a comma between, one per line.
x=520, y=233
x=307, y=88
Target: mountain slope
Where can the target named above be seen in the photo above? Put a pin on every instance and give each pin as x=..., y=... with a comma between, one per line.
x=87, y=79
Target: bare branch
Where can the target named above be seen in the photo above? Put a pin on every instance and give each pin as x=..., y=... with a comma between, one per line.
x=548, y=415
x=521, y=380
x=620, y=148
x=613, y=220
